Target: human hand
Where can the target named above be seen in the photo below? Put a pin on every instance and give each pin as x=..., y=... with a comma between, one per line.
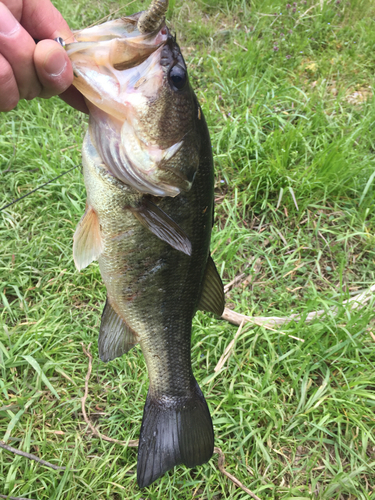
x=29, y=70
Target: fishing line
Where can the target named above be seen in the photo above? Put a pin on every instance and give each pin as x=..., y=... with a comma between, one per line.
x=36, y=189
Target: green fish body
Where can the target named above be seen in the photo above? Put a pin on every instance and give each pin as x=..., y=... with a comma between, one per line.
x=148, y=173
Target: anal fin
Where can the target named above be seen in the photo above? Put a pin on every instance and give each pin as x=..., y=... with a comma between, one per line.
x=115, y=336
x=161, y=225
x=212, y=298
x=87, y=242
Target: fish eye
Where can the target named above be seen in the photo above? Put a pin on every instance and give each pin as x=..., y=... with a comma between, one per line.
x=178, y=77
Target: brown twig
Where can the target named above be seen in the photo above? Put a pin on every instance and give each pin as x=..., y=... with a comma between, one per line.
x=14, y=498
x=239, y=45
x=30, y=456
x=229, y=349
x=356, y=302
x=220, y=464
x=237, y=318
x=131, y=442
x=238, y=279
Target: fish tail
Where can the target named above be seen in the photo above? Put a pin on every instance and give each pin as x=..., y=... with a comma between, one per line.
x=175, y=430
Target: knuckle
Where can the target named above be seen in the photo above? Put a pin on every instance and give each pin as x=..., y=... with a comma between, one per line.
x=9, y=105
x=9, y=95
x=31, y=92
x=6, y=75
x=9, y=102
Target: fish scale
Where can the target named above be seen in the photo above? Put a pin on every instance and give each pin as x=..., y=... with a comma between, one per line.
x=153, y=250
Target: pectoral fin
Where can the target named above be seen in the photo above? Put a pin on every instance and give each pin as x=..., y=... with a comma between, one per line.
x=161, y=225
x=87, y=242
x=212, y=298
x=115, y=336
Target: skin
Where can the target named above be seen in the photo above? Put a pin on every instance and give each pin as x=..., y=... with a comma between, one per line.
x=153, y=289
x=27, y=69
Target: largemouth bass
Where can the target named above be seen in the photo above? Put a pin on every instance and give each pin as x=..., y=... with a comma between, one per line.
x=148, y=172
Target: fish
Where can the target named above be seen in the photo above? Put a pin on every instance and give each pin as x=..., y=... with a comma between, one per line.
x=148, y=171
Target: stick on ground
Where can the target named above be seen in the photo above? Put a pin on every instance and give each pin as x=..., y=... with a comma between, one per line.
x=229, y=349
x=356, y=302
x=132, y=442
x=220, y=464
x=30, y=456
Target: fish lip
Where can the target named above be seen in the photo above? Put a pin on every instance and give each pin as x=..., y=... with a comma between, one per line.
x=156, y=39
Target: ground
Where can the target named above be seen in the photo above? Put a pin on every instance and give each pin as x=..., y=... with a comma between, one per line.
x=287, y=90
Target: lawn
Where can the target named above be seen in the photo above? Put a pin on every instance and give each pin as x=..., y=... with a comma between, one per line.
x=287, y=91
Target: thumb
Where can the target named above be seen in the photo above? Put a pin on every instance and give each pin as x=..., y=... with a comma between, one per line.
x=53, y=68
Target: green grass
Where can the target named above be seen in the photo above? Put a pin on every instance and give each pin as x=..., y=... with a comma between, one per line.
x=295, y=420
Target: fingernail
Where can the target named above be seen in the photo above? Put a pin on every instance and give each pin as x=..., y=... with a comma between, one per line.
x=8, y=24
x=55, y=63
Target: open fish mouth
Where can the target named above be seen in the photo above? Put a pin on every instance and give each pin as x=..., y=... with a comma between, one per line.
x=115, y=44
x=118, y=70
x=121, y=72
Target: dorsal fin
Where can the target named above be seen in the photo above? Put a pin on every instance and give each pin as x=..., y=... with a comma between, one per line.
x=212, y=298
x=87, y=242
x=115, y=336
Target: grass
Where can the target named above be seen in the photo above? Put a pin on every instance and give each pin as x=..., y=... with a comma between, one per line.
x=288, y=98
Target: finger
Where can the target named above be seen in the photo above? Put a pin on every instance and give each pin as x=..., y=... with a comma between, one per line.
x=15, y=6
x=53, y=67
x=17, y=46
x=42, y=20
x=9, y=95
x=75, y=99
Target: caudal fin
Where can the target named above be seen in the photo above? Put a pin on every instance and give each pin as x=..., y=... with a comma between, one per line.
x=175, y=430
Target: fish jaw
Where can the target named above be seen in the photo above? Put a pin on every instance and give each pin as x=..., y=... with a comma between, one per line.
x=117, y=93
x=100, y=55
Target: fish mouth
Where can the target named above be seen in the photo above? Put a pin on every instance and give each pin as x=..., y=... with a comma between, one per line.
x=106, y=60
x=117, y=68
x=114, y=45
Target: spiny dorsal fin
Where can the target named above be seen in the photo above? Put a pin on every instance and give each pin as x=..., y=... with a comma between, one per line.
x=161, y=225
x=115, y=336
x=87, y=242
x=212, y=298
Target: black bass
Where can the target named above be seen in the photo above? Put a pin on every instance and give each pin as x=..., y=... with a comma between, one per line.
x=148, y=172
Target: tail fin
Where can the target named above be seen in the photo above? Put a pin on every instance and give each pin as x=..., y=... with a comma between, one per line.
x=174, y=431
